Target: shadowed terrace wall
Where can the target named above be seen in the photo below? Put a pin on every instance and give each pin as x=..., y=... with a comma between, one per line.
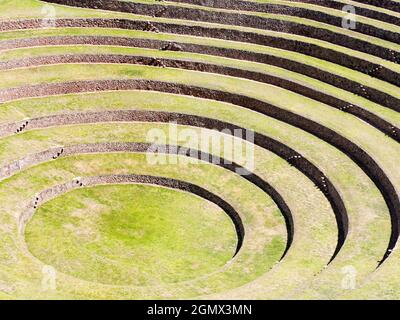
x=359, y=156
x=307, y=13
x=59, y=190
x=252, y=21
x=369, y=117
x=366, y=12
x=372, y=69
x=285, y=152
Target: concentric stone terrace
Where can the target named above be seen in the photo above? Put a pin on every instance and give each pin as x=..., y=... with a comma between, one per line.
x=111, y=189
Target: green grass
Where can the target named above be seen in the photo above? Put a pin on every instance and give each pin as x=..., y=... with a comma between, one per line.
x=335, y=13
x=261, y=248
x=32, y=9
x=314, y=236
x=354, y=129
x=132, y=234
x=312, y=247
x=318, y=63
x=360, y=195
x=254, y=273
x=388, y=114
x=303, y=21
x=268, y=93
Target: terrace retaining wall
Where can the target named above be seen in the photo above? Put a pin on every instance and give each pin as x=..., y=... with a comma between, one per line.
x=56, y=191
x=252, y=21
x=359, y=156
x=285, y=152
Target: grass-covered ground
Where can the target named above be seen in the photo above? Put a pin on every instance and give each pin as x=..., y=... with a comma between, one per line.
x=140, y=241
x=313, y=236
x=261, y=249
x=385, y=113
x=132, y=234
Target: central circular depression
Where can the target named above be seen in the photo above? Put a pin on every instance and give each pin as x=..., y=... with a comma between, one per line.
x=131, y=235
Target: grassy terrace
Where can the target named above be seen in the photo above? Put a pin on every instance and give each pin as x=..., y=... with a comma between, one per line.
x=128, y=228
x=330, y=11
x=331, y=118
x=32, y=9
x=266, y=249
x=264, y=167
x=320, y=245
x=361, y=197
x=379, y=9
x=308, y=22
